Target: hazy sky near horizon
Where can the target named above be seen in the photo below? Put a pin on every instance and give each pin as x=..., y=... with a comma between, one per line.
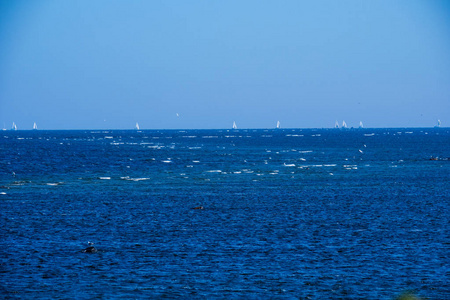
x=109, y=64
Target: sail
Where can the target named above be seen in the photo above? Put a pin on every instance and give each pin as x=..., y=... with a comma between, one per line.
x=344, y=125
x=34, y=126
x=234, y=125
x=137, y=126
x=278, y=125
x=361, y=124
x=336, y=125
x=439, y=123
x=14, y=126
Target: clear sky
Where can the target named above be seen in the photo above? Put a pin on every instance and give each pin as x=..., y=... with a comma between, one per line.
x=108, y=64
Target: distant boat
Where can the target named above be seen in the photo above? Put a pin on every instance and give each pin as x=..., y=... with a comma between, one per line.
x=360, y=124
x=344, y=125
x=137, y=126
x=14, y=126
x=336, y=125
x=278, y=125
x=34, y=126
x=234, y=125
x=438, y=124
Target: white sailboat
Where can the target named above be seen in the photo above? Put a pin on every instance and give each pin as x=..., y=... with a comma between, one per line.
x=344, y=125
x=336, y=125
x=34, y=126
x=438, y=123
x=14, y=126
x=137, y=126
x=278, y=125
x=361, y=124
x=234, y=125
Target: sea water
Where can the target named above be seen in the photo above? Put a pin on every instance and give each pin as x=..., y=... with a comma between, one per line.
x=243, y=214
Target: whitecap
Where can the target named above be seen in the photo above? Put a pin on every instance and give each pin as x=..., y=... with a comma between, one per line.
x=105, y=178
x=306, y=151
x=139, y=179
x=2, y=193
x=289, y=165
x=369, y=134
x=166, y=161
x=214, y=171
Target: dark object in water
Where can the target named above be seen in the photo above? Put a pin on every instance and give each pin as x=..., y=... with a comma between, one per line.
x=198, y=207
x=438, y=158
x=90, y=249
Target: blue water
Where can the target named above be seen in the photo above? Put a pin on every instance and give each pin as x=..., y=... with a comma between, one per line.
x=244, y=214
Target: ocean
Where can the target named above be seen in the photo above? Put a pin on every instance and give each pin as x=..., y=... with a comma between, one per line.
x=220, y=214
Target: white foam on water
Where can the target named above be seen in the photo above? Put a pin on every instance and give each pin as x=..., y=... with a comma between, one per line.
x=289, y=165
x=189, y=166
x=214, y=171
x=167, y=161
x=302, y=159
x=139, y=179
x=369, y=134
x=104, y=178
x=305, y=151
x=195, y=161
x=2, y=193
x=237, y=172
x=108, y=137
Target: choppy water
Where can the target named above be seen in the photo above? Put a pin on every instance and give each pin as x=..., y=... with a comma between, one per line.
x=284, y=214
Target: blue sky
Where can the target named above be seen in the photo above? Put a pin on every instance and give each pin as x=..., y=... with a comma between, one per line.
x=109, y=64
